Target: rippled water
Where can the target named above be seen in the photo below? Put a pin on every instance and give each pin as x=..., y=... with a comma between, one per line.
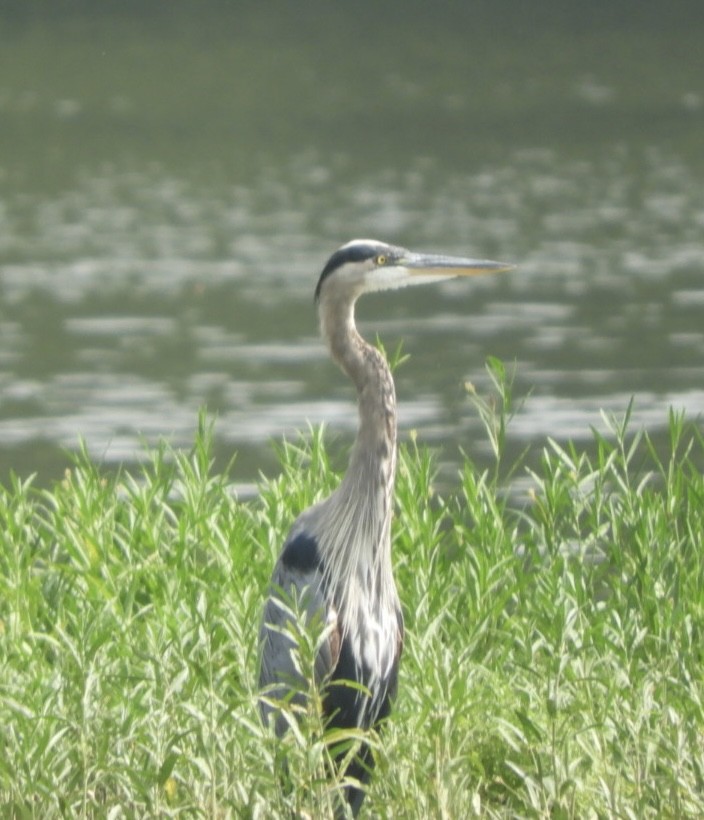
x=135, y=291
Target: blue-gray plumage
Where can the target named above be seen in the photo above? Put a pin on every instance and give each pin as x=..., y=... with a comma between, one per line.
x=336, y=561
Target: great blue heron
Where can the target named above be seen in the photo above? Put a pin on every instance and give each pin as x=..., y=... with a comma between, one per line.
x=337, y=557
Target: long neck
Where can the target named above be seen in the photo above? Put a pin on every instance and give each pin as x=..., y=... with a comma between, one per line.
x=362, y=505
x=370, y=373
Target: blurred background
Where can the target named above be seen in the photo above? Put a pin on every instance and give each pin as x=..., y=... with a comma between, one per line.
x=173, y=177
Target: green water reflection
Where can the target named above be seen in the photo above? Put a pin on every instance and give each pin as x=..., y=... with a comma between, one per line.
x=171, y=181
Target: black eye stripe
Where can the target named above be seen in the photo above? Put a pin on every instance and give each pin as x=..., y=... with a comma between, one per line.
x=356, y=253
x=352, y=253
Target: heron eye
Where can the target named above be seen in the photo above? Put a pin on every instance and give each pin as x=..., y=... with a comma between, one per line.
x=381, y=259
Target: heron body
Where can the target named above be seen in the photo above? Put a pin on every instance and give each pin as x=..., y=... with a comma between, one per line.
x=336, y=560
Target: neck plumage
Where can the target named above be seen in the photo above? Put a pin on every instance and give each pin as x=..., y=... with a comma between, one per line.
x=359, y=511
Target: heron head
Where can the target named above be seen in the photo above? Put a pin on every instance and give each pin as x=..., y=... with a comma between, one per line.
x=367, y=265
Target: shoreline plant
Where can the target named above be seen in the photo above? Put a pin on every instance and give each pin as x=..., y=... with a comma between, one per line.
x=553, y=662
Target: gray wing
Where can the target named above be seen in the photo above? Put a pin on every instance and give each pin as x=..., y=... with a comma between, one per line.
x=296, y=601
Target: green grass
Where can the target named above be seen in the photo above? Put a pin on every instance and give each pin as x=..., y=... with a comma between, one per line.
x=552, y=664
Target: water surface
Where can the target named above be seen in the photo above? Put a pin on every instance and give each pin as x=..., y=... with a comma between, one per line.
x=172, y=186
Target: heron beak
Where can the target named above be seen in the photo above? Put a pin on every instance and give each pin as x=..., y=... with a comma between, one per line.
x=431, y=265
x=407, y=268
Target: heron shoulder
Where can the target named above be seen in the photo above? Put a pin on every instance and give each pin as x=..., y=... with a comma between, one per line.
x=301, y=553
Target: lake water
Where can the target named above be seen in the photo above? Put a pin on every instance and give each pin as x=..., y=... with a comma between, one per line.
x=171, y=185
